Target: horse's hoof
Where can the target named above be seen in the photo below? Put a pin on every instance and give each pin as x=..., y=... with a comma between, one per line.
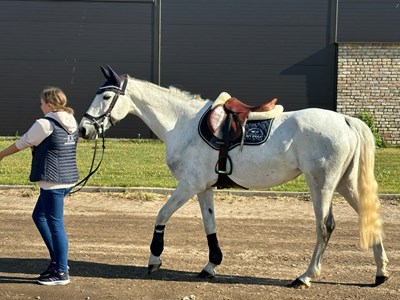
x=381, y=279
x=298, y=284
x=153, y=268
x=205, y=275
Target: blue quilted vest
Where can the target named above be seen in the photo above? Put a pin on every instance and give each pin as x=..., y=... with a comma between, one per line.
x=54, y=159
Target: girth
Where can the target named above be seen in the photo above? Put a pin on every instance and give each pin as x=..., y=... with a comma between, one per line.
x=223, y=180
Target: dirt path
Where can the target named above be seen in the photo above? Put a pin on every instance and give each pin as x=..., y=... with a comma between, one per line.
x=266, y=243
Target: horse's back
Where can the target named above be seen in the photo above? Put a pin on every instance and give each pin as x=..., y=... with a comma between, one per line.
x=314, y=138
x=315, y=124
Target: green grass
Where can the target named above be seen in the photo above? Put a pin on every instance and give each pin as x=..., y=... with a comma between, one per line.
x=141, y=163
x=387, y=170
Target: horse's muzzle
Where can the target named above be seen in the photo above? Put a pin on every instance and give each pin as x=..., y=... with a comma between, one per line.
x=88, y=132
x=82, y=132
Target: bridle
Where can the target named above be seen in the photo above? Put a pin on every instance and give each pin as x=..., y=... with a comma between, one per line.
x=98, y=123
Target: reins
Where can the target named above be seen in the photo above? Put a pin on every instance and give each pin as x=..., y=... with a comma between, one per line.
x=91, y=171
x=100, y=132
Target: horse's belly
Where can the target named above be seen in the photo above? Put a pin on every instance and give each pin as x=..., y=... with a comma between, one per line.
x=254, y=180
x=260, y=170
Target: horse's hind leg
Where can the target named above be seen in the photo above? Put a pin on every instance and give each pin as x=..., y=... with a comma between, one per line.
x=382, y=275
x=325, y=224
x=347, y=188
x=215, y=254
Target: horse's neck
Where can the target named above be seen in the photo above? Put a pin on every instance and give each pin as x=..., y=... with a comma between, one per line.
x=159, y=108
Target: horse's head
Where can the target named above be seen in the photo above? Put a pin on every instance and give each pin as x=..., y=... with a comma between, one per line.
x=109, y=106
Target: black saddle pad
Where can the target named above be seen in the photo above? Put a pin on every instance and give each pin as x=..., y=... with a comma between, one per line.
x=256, y=133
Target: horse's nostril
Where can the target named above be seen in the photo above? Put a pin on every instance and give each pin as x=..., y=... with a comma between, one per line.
x=82, y=132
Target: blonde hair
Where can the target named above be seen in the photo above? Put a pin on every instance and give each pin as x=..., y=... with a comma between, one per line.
x=56, y=97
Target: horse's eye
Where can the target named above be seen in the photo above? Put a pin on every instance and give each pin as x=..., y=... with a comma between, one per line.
x=106, y=97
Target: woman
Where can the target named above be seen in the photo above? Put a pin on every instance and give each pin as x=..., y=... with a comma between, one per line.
x=53, y=140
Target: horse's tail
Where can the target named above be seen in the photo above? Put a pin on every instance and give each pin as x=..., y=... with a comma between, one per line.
x=368, y=199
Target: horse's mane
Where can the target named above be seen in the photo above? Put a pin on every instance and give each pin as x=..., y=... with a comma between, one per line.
x=185, y=94
x=172, y=89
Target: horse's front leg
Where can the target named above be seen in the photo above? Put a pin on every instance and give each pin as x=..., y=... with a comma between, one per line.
x=215, y=254
x=179, y=197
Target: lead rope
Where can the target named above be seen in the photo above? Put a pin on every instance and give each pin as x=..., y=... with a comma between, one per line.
x=91, y=171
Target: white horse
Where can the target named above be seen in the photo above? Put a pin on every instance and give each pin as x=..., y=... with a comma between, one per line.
x=334, y=152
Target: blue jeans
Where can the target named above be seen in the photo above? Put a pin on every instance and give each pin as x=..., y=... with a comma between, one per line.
x=48, y=216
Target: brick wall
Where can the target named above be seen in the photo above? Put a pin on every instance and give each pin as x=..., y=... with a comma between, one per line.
x=369, y=80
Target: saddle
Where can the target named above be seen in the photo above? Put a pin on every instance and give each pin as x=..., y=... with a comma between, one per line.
x=227, y=121
x=229, y=115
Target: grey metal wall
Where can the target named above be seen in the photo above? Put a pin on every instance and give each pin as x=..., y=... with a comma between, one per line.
x=256, y=50
x=63, y=43
x=368, y=21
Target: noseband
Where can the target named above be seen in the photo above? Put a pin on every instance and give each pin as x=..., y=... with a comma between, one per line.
x=98, y=122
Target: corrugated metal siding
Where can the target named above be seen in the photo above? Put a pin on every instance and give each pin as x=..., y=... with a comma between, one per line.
x=63, y=43
x=255, y=50
x=368, y=21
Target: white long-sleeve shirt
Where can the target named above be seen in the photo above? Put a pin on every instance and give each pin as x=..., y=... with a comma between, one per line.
x=40, y=130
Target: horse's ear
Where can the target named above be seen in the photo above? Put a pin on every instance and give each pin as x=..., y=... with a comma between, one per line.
x=114, y=76
x=105, y=72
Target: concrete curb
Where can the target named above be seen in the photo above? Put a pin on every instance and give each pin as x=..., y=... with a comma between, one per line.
x=168, y=191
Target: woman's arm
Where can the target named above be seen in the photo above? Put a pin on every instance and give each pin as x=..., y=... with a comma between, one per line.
x=41, y=129
x=9, y=151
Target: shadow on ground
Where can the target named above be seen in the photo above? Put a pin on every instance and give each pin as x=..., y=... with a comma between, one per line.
x=33, y=267
x=27, y=266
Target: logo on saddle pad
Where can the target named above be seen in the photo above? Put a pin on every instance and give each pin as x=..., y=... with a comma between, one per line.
x=255, y=133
